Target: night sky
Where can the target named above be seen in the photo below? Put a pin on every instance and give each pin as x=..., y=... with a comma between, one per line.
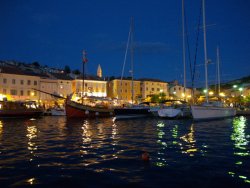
x=54, y=33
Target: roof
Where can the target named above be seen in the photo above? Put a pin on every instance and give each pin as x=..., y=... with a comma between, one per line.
x=61, y=76
x=151, y=80
x=18, y=71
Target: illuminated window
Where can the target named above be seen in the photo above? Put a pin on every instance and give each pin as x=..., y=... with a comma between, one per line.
x=13, y=92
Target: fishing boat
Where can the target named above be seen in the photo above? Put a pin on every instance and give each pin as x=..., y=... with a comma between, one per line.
x=15, y=109
x=210, y=110
x=87, y=106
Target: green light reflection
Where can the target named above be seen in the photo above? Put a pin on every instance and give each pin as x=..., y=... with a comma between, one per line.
x=161, y=161
x=239, y=138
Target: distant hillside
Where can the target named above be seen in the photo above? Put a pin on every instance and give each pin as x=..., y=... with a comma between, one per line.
x=241, y=81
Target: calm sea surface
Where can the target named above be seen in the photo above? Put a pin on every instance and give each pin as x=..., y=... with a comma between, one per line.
x=58, y=152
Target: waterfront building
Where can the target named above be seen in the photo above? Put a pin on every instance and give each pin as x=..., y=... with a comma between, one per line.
x=17, y=84
x=93, y=86
x=151, y=87
x=177, y=91
x=56, y=83
x=122, y=89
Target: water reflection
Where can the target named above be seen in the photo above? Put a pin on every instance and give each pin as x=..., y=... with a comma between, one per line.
x=161, y=159
x=31, y=135
x=239, y=138
x=1, y=128
x=114, y=139
x=189, y=148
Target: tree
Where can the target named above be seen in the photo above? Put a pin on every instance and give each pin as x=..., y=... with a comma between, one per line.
x=36, y=64
x=76, y=72
x=67, y=69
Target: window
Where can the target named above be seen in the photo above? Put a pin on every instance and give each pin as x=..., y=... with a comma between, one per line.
x=13, y=81
x=21, y=92
x=28, y=82
x=5, y=81
x=158, y=89
x=13, y=92
x=28, y=93
x=21, y=82
x=4, y=91
x=153, y=89
x=35, y=83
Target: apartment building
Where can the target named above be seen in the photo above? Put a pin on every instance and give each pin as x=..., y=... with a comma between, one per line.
x=122, y=89
x=16, y=84
x=93, y=86
x=151, y=87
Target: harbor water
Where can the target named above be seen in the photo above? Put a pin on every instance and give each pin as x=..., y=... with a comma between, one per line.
x=61, y=152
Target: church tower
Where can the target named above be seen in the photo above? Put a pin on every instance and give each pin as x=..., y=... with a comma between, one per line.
x=99, y=71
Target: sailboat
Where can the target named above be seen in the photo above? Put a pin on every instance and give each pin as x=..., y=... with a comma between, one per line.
x=178, y=108
x=212, y=109
x=87, y=107
x=134, y=111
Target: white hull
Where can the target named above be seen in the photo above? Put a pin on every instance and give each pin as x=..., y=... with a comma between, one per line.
x=169, y=112
x=211, y=112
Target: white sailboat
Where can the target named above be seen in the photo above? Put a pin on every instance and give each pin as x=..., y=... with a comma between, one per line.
x=178, y=108
x=210, y=110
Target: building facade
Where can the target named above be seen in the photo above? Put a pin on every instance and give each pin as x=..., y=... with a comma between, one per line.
x=122, y=89
x=151, y=87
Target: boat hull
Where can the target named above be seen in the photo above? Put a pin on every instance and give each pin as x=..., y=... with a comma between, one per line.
x=74, y=109
x=169, y=113
x=210, y=112
x=20, y=113
x=127, y=113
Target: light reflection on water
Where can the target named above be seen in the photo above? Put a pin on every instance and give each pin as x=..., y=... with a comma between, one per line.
x=74, y=148
x=241, y=146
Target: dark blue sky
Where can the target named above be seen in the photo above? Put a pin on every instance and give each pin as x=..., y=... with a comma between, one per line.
x=54, y=33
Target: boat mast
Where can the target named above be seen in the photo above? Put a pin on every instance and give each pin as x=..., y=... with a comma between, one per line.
x=205, y=49
x=218, y=69
x=84, y=60
x=132, y=57
x=183, y=48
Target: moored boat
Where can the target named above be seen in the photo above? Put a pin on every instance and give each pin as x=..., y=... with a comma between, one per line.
x=132, y=112
x=211, y=111
x=15, y=109
x=87, y=109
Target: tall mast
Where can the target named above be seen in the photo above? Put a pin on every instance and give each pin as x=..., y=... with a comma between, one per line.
x=132, y=57
x=218, y=69
x=84, y=60
x=184, y=50
x=205, y=49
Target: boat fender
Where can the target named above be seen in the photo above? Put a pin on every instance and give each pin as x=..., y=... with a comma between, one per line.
x=86, y=112
x=97, y=113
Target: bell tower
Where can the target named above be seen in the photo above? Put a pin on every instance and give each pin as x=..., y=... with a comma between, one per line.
x=99, y=71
